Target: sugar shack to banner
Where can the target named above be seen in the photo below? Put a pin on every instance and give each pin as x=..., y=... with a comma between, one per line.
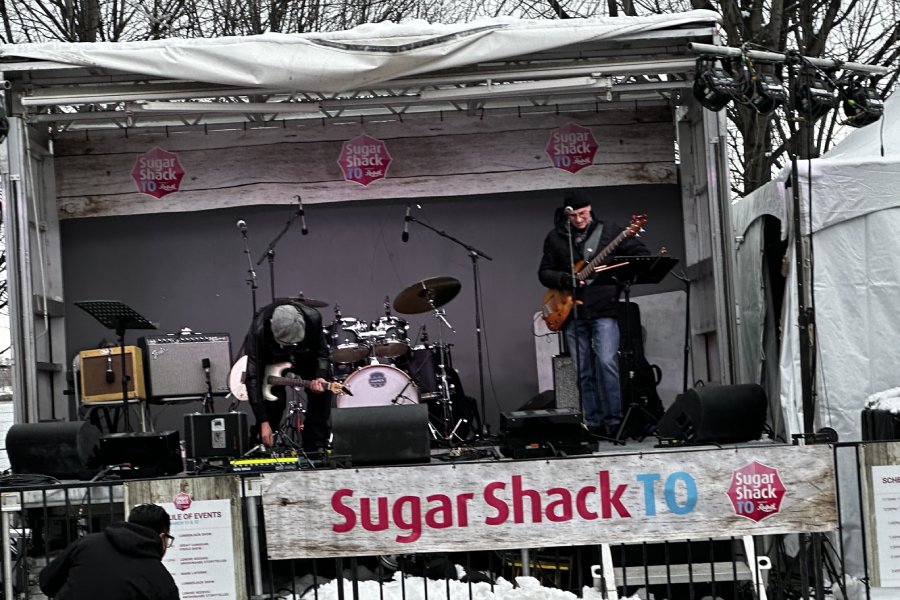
x=643, y=497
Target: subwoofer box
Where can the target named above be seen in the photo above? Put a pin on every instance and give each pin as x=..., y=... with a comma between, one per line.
x=175, y=364
x=64, y=450
x=215, y=435
x=382, y=435
x=719, y=414
x=101, y=374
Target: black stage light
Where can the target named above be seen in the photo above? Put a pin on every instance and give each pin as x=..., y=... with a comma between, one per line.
x=714, y=86
x=814, y=96
x=862, y=105
x=768, y=94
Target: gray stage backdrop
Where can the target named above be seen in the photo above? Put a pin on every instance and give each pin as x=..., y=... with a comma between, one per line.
x=190, y=270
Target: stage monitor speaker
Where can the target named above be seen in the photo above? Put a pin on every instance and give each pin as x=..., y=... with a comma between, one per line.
x=215, y=435
x=382, y=435
x=64, y=450
x=142, y=454
x=565, y=383
x=101, y=374
x=176, y=365
x=719, y=414
x=537, y=433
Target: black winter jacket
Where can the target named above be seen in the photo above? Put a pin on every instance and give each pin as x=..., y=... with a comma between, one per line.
x=598, y=299
x=124, y=562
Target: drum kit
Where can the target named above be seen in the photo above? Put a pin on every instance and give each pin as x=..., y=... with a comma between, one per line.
x=378, y=363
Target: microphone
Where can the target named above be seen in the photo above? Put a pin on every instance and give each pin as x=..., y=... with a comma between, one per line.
x=110, y=375
x=569, y=210
x=242, y=225
x=205, y=362
x=300, y=212
x=405, y=236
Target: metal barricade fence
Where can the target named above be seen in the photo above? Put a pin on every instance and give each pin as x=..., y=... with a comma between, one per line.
x=40, y=520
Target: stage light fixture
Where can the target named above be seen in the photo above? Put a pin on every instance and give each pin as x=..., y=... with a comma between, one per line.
x=862, y=104
x=814, y=96
x=714, y=86
x=768, y=94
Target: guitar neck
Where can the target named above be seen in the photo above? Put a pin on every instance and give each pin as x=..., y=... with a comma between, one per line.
x=288, y=381
x=588, y=269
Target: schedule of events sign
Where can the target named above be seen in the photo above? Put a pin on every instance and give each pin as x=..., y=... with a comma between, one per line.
x=649, y=497
x=202, y=557
x=886, y=493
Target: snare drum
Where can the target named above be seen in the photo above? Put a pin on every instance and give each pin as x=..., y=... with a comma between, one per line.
x=378, y=385
x=391, y=338
x=345, y=341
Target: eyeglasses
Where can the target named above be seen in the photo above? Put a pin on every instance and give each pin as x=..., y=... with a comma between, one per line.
x=170, y=540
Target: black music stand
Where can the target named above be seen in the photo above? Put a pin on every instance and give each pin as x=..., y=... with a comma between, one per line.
x=626, y=271
x=112, y=314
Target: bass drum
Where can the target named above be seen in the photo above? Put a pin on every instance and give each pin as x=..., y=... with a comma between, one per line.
x=378, y=385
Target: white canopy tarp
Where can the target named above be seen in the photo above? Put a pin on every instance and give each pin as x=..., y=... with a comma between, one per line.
x=346, y=60
x=856, y=275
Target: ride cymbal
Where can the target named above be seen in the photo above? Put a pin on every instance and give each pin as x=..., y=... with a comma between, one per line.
x=309, y=301
x=427, y=295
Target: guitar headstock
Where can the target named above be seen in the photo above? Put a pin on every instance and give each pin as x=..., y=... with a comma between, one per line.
x=636, y=226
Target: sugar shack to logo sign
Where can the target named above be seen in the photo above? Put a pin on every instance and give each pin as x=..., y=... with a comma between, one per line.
x=364, y=159
x=572, y=147
x=756, y=491
x=157, y=173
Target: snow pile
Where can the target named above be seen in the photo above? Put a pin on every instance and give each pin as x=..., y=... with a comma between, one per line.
x=887, y=400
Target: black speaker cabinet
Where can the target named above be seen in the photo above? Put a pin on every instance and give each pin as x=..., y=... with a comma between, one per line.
x=880, y=425
x=64, y=450
x=176, y=365
x=537, y=433
x=382, y=435
x=215, y=436
x=716, y=414
x=565, y=383
x=142, y=454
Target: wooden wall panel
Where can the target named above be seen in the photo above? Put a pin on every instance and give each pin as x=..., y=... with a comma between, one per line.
x=458, y=155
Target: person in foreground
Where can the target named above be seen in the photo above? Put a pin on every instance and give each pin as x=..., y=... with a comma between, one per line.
x=592, y=331
x=124, y=562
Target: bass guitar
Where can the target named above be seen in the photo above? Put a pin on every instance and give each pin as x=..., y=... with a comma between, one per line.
x=557, y=304
x=273, y=376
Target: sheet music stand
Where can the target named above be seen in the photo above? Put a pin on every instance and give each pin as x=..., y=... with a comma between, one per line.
x=120, y=317
x=627, y=271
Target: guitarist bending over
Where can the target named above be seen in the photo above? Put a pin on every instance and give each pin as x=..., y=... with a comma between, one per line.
x=287, y=331
x=592, y=337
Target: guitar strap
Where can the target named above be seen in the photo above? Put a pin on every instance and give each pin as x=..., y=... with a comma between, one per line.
x=592, y=243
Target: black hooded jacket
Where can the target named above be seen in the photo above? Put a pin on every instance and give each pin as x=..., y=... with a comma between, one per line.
x=124, y=562
x=598, y=299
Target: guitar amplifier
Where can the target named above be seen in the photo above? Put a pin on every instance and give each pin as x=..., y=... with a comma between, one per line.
x=101, y=374
x=177, y=365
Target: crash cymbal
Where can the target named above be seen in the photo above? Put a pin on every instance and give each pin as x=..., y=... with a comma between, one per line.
x=426, y=295
x=309, y=301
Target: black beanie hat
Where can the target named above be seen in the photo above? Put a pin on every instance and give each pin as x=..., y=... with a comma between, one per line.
x=576, y=199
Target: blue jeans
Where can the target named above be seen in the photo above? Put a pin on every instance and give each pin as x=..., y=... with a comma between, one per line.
x=594, y=347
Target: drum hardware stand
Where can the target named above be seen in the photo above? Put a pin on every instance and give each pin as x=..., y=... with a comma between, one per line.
x=474, y=254
x=285, y=436
x=270, y=249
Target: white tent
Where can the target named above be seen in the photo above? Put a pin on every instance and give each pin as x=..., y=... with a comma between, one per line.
x=850, y=198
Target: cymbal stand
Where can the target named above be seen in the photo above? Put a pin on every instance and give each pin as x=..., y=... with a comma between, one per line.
x=445, y=399
x=474, y=254
x=270, y=249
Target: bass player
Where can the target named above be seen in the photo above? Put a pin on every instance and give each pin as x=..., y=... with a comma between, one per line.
x=592, y=329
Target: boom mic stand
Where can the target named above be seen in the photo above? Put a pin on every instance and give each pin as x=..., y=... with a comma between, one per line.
x=251, y=273
x=474, y=254
x=270, y=249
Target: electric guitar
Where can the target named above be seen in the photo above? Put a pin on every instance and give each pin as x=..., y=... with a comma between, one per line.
x=272, y=376
x=557, y=304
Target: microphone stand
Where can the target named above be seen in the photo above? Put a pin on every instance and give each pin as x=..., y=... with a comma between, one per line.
x=474, y=254
x=687, y=326
x=270, y=250
x=251, y=279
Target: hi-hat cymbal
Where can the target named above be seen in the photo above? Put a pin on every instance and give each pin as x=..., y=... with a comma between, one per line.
x=309, y=301
x=427, y=295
